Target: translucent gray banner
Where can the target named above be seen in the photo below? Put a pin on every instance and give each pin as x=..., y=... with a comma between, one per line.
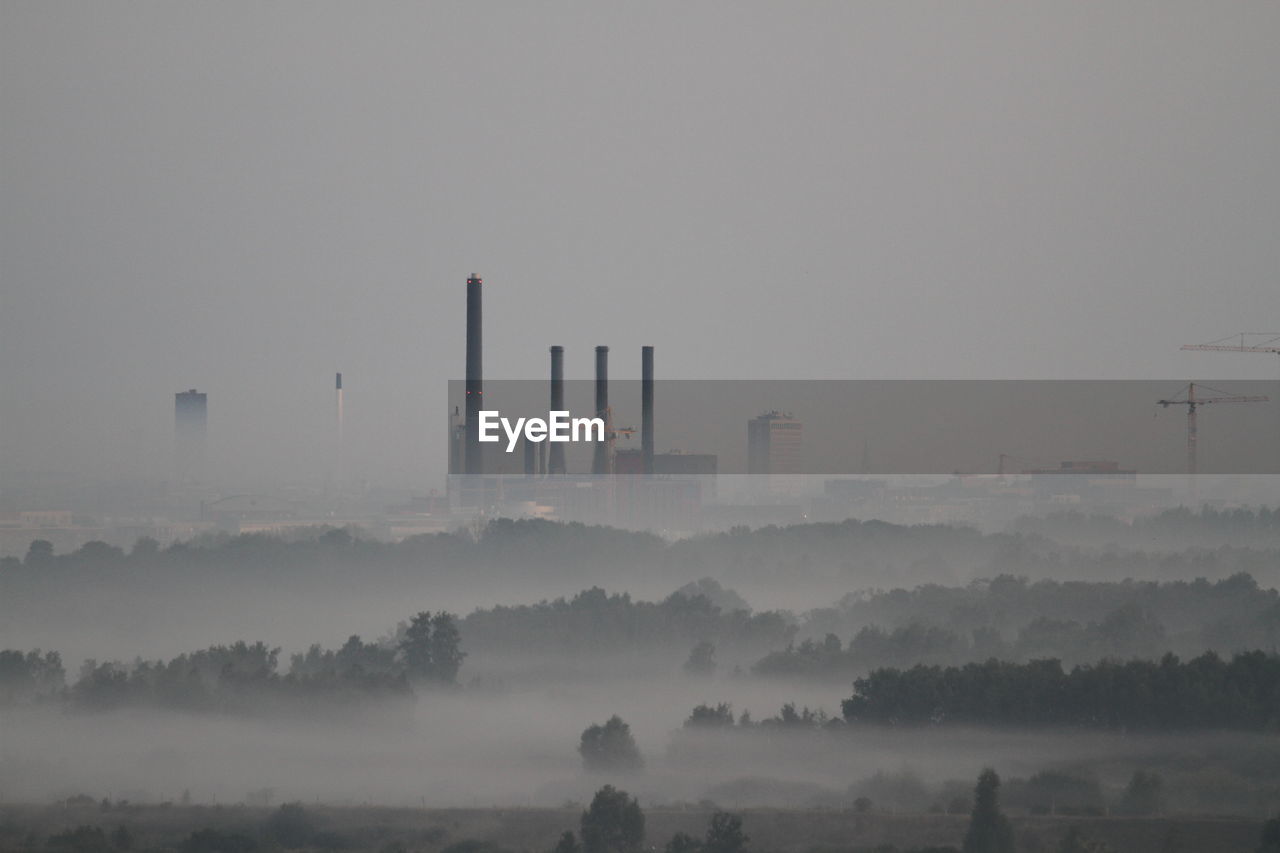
x=1117, y=428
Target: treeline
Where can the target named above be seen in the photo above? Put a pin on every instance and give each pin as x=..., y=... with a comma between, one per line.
x=864, y=552
x=1172, y=528
x=29, y=676
x=546, y=549
x=1127, y=632
x=1232, y=613
x=595, y=622
x=720, y=717
x=1205, y=693
x=247, y=677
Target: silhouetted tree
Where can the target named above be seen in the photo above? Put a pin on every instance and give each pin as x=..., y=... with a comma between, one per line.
x=82, y=839
x=725, y=834
x=710, y=717
x=1270, y=842
x=1075, y=842
x=610, y=747
x=702, y=660
x=989, y=830
x=39, y=553
x=568, y=843
x=682, y=842
x=217, y=841
x=432, y=648
x=290, y=826
x=121, y=838
x=613, y=823
x=1144, y=794
x=446, y=647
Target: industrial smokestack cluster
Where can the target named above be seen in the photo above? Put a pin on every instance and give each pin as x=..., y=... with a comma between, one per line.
x=536, y=461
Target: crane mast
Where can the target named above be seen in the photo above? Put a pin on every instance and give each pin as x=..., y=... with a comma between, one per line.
x=1192, y=402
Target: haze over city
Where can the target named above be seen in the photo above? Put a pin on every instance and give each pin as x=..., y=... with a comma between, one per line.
x=245, y=199
x=262, y=266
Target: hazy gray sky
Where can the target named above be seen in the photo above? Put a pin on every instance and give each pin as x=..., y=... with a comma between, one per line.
x=247, y=197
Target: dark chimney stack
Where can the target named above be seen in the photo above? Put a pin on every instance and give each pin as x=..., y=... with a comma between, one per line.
x=646, y=409
x=600, y=460
x=557, y=465
x=475, y=378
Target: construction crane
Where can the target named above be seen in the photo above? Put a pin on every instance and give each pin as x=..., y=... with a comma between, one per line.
x=1192, y=402
x=1261, y=342
x=611, y=434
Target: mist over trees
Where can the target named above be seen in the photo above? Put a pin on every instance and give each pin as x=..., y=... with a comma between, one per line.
x=1204, y=693
x=596, y=623
x=869, y=553
x=245, y=677
x=1014, y=619
x=1022, y=648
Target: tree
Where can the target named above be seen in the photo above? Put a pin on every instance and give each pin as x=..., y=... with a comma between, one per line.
x=1074, y=842
x=432, y=648
x=682, y=842
x=710, y=717
x=989, y=830
x=82, y=839
x=702, y=660
x=290, y=826
x=613, y=823
x=39, y=553
x=1144, y=794
x=216, y=841
x=610, y=747
x=568, y=843
x=1270, y=837
x=725, y=834
x=446, y=647
x=121, y=838
x=416, y=646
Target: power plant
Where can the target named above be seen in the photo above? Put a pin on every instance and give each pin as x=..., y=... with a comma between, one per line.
x=543, y=475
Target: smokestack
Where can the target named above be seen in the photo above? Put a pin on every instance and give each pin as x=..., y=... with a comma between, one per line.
x=337, y=465
x=530, y=457
x=600, y=461
x=475, y=377
x=646, y=409
x=557, y=465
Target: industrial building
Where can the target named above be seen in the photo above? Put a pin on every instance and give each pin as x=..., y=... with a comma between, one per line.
x=190, y=435
x=774, y=444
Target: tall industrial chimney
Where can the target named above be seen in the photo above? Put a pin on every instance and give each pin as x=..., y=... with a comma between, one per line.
x=646, y=409
x=557, y=465
x=472, y=464
x=337, y=462
x=530, y=457
x=600, y=460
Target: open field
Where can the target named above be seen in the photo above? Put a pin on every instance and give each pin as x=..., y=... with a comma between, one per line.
x=355, y=828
